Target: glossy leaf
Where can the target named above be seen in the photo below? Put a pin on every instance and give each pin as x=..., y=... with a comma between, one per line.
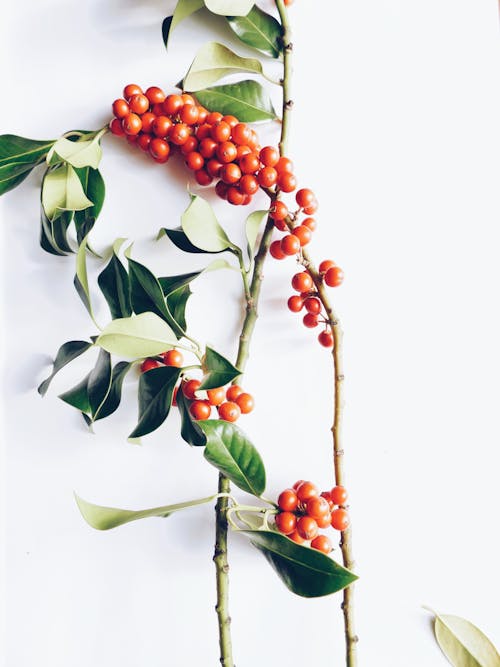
x=259, y=30
x=183, y=9
x=229, y=7
x=94, y=188
x=83, y=153
x=144, y=335
x=252, y=227
x=181, y=241
x=202, y=228
x=305, y=571
x=145, y=291
x=66, y=353
x=247, y=100
x=114, y=283
x=156, y=388
x=80, y=281
x=54, y=233
x=104, y=518
x=13, y=174
x=215, y=61
x=463, y=643
x=218, y=371
x=113, y=397
x=99, y=381
x=62, y=191
x=231, y=452
x=190, y=428
x=78, y=397
x=15, y=149
x=170, y=284
x=176, y=304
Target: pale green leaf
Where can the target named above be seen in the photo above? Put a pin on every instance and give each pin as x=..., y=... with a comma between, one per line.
x=62, y=191
x=86, y=153
x=252, y=227
x=463, y=643
x=215, y=61
x=183, y=9
x=104, y=518
x=144, y=335
x=230, y=7
x=202, y=228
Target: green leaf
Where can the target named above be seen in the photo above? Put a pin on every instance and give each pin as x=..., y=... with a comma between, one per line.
x=62, y=191
x=94, y=188
x=144, y=335
x=113, y=397
x=114, y=283
x=258, y=30
x=190, y=428
x=176, y=304
x=13, y=174
x=202, y=228
x=84, y=153
x=156, y=388
x=65, y=354
x=252, y=228
x=229, y=7
x=247, y=100
x=170, y=284
x=104, y=518
x=217, y=370
x=181, y=241
x=215, y=61
x=463, y=643
x=80, y=281
x=15, y=149
x=78, y=397
x=183, y=9
x=231, y=452
x=99, y=381
x=305, y=571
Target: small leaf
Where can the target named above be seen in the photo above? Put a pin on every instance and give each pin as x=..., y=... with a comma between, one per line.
x=463, y=643
x=114, y=283
x=258, y=30
x=15, y=149
x=229, y=7
x=247, y=100
x=94, y=188
x=305, y=571
x=144, y=335
x=99, y=381
x=217, y=370
x=215, y=61
x=53, y=233
x=80, y=281
x=183, y=9
x=176, y=304
x=170, y=284
x=78, y=397
x=181, y=241
x=104, y=518
x=202, y=228
x=113, y=398
x=190, y=429
x=252, y=227
x=231, y=452
x=156, y=388
x=62, y=191
x=86, y=153
x=66, y=353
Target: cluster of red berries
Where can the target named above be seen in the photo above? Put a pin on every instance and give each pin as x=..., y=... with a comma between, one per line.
x=304, y=510
x=214, y=146
x=231, y=403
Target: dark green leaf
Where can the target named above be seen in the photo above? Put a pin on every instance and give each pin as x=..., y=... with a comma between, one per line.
x=94, y=188
x=258, y=30
x=171, y=283
x=66, y=353
x=231, y=452
x=190, y=429
x=305, y=571
x=165, y=29
x=46, y=243
x=217, y=370
x=21, y=149
x=13, y=174
x=179, y=239
x=81, y=279
x=115, y=285
x=176, y=303
x=53, y=233
x=247, y=100
x=156, y=388
x=78, y=397
x=113, y=398
x=99, y=381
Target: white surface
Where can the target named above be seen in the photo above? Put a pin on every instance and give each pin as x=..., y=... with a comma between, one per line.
x=396, y=128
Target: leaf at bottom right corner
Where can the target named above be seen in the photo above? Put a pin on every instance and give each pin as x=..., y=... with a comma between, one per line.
x=463, y=643
x=305, y=571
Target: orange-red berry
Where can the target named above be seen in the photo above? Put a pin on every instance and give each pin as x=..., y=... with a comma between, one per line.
x=317, y=507
x=131, y=89
x=267, y=177
x=179, y=134
x=287, y=182
x=290, y=244
x=286, y=522
x=334, y=276
x=131, y=124
x=310, y=320
x=173, y=358
x=276, y=251
x=307, y=527
x=121, y=108
x=226, y=151
x=322, y=543
x=155, y=95
x=216, y=396
x=340, y=519
x=229, y=411
x=190, y=388
x=245, y=402
x=302, y=282
x=307, y=490
x=269, y=156
x=304, y=197
x=200, y=409
x=138, y=103
x=288, y=501
x=279, y=211
x=326, y=338
x=148, y=364
x=303, y=233
x=339, y=495
x=295, y=303
x=233, y=392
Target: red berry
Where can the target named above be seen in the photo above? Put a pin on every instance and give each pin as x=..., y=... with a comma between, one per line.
x=120, y=108
x=148, y=364
x=221, y=131
x=297, y=484
x=173, y=358
x=143, y=141
x=226, y=151
x=190, y=387
x=276, y=251
x=189, y=114
x=235, y=197
x=307, y=527
x=302, y=282
x=216, y=396
x=240, y=134
x=303, y=233
x=313, y=305
x=203, y=177
x=131, y=89
x=340, y=519
x=155, y=95
x=306, y=491
x=297, y=538
x=310, y=223
x=246, y=403
x=200, y=409
x=179, y=134
x=278, y=211
x=248, y=184
x=172, y=104
x=207, y=147
x=290, y=244
x=148, y=119
x=322, y=543
x=161, y=126
x=229, y=411
x=116, y=127
x=267, y=177
x=285, y=522
x=339, y=495
x=233, y=392
x=326, y=338
x=311, y=210
x=269, y=156
x=288, y=501
x=317, y=507
x=310, y=320
x=284, y=164
x=131, y=124
x=230, y=173
x=334, y=276
x=328, y=497
x=295, y=303
x=138, y=103
x=287, y=182
x=325, y=265
x=159, y=149
x=304, y=197
x=249, y=163
x=194, y=161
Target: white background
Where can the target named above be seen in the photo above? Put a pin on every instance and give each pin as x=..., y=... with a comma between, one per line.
x=396, y=127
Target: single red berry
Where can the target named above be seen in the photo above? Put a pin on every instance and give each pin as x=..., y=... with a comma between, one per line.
x=195, y=161
x=233, y=392
x=339, y=495
x=285, y=522
x=298, y=539
x=130, y=90
x=213, y=117
x=310, y=223
x=290, y=244
x=240, y=134
x=310, y=320
x=138, y=103
x=216, y=396
x=295, y=303
x=279, y=211
x=155, y=95
x=267, y=177
x=203, y=131
x=276, y=251
x=328, y=497
x=304, y=197
x=131, y=124
x=190, y=146
x=214, y=168
x=249, y=163
x=116, y=127
x=203, y=177
x=148, y=364
x=234, y=196
x=326, y=338
x=143, y=141
x=230, y=173
x=187, y=99
x=120, y=108
x=284, y=164
x=303, y=233
x=324, y=521
x=159, y=149
x=297, y=484
x=242, y=150
x=202, y=115
x=306, y=491
x=207, y=147
x=311, y=210
x=221, y=131
x=325, y=265
x=281, y=225
x=340, y=519
x=190, y=388
x=269, y=156
x=307, y=527
x=148, y=119
x=334, y=276
x=322, y=543
x=200, y=409
x=161, y=126
x=302, y=282
x=313, y=305
x=246, y=403
x=221, y=188
x=287, y=182
x=288, y=501
x=226, y=151
x=189, y=114
x=317, y=507
x=232, y=121
x=173, y=358
x=229, y=411
x=248, y=184
x=179, y=134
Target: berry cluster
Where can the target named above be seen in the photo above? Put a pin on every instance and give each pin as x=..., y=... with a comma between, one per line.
x=231, y=403
x=214, y=146
x=304, y=510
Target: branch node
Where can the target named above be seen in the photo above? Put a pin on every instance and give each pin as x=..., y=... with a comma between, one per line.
x=289, y=105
